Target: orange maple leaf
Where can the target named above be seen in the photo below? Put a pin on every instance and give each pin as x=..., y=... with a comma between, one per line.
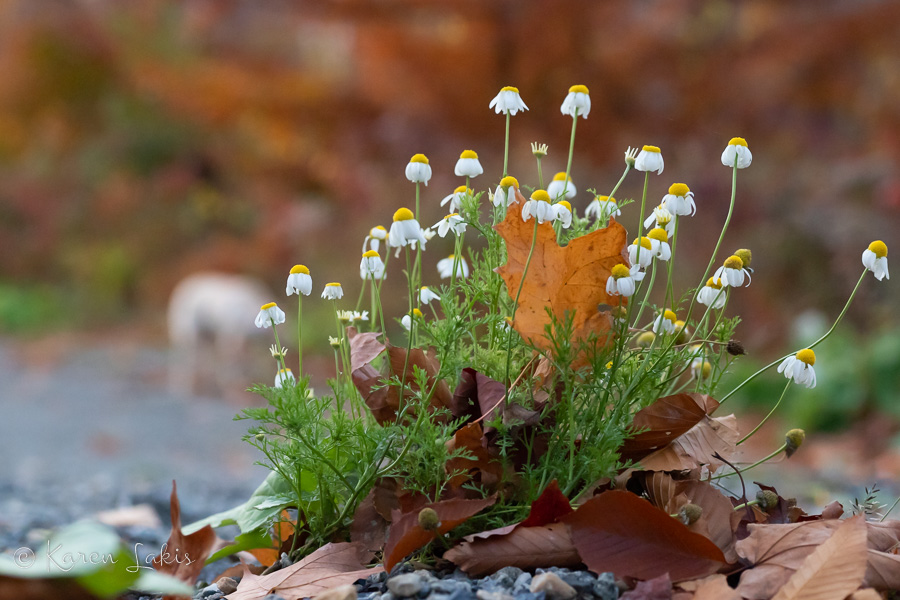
x=567, y=279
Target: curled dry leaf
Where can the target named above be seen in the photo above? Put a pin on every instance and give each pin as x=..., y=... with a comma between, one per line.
x=570, y=279
x=697, y=447
x=368, y=528
x=663, y=421
x=479, y=465
x=658, y=588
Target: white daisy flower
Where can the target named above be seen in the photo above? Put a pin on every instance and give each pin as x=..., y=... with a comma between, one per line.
x=602, y=207
x=357, y=316
x=712, y=294
x=649, y=159
x=376, y=235
x=405, y=229
x=732, y=272
x=661, y=217
x=659, y=243
x=680, y=200
x=468, y=165
x=737, y=149
x=406, y=321
x=269, y=314
x=506, y=191
x=646, y=253
x=455, y=199
x=665, y=322
x=445, y=267
x=418, y=170
x=335, y=342
x=874, y=258
x=622, y=280
x=452, y=222
x=371, y=266
x=426, y=295
x=538, y=206
x=559, y=188
x=578, y=99
x=508, y=100
x=800, y=367
x=299, y=281
x=283, y=378
x=562, y=212
x=332, y=291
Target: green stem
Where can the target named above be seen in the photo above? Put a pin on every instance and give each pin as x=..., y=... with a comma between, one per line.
x=571, y=152
x=761, y=423
x=506, y=146
x=893, y=506
x=299, y=335
x=756, y=464
x=506, y=381
x=637, y=256
x=278, y=346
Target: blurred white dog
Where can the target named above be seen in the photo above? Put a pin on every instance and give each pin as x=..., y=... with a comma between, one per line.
x=211, y=315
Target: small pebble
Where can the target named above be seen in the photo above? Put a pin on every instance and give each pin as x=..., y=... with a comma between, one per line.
x=486, y=595
x=553, y=586
x=506, y=577
x=341, y=592
x=522, y=583
x=405, y=585
x=227, y=585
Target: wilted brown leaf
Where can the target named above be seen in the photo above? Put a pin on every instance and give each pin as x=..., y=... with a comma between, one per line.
x=281, y=535
x=407, y=535
x=715, y=587
x=697, y=447
x=479, y=465
x=618, y=531
x=658, y=588
x=883, y=572
x=663, y=421
x=523, y=547
x=368, y=528
x=834, y=569
x=364, y=347
x=564, y=279
x=186, y=554
x=329, y=566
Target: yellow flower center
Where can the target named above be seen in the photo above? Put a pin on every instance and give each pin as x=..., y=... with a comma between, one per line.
x=879, y=248
x=734, y=262
x=578, y=89
x=419, y=158
x=416, y=312
x=737, y=142
x=268, y=306
x=619, y=271
x=745, y=255
x=807, y=356
x=669, y=315
x=509, y=88
x=566, y=204
x=468, y=154
x=403, y=214
x=609, y=365
x=509, y=180
x=658, y=234
x=461, y=190
x=541, y=195
x=380, y=228
x=447, y=218
x=645, y=339
x=716, y=284
x=561, y=176
x=705, y=369
x=644, y=242
x=679, y=189
x=605, y=199
x=299, y=269
x=651, y=149
x=679, y=325
x=452, y=256
x=332, y=284
x=370, y=254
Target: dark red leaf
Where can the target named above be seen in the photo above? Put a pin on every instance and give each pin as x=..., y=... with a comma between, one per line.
x=516, y=546
x=550, y=506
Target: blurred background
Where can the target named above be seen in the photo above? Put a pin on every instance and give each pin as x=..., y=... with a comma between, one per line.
x=143, y=142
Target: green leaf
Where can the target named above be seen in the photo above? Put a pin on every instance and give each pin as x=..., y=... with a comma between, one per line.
x=258, y=538
x=264, y=504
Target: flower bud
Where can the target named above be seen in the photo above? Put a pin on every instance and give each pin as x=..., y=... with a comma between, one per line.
x=428, y=519
x=735, y=348
x=767, y=499
x=689, y=513
x=793, y=440
x=745, y=255
x=645, y=339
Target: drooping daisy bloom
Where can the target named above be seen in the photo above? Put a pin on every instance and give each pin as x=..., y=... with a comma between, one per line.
x=453, y=222
x=665, y=322
x=283, y=378
x=712, y=295
x=874, y=258
x=562, y=212
x=602, y=207
x=578, y=99
x=560, y=186
x=445, y=267
x=360, y=316
x=468, y=165
x=622, y=280
x=660, y=217
x=680, y=200
x=646, y=253
x=746, y=257
x=269, y=314
x=335, y=342
x=418, y=170
x=426, y=295
x=299, y=281
x=659, y=243
x=732, y=272
x=508, y=100
x=332, y=291
x=455, y=199
x=539, y=150
x=371, y=266
x=406, y=321
x=538, y=206
x=506, y=191
x=405, y=229
x=649, y=159
x=800, y=367
x=737, y=149
x=376, y=235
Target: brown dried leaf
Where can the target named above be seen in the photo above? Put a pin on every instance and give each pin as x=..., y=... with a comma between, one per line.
x=715, y=587
x=550, y=507
x=487, y=470
x=368, y=528
x=364, y=347
x=658, y=588
x=564, y=279
x=663, y=421
x=329, y=566
x=696, y=447
x=883, y=572
x=523, y=547
x=407, y=535
x=618, y=531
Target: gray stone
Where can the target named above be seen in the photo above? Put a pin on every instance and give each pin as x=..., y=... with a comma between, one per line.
x=273, y=597
x=553, y=586
x=582, y=581
x=531, y=596
x=522, y=583
x=506, y=577
x=405, y=585
x=226, y=585
x=450, y=586
x=491, y=595
x=605, y=587
x=341, y=592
